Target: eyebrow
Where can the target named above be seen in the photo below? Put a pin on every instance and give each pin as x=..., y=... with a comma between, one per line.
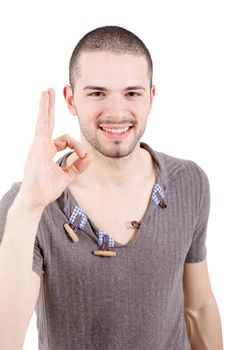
x=101, y=88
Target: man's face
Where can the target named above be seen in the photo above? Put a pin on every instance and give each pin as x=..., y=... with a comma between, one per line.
x=112, y=91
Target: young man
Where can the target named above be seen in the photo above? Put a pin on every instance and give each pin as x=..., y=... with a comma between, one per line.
x=107, y=244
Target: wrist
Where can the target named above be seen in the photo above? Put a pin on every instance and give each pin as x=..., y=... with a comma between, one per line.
x=24, y=203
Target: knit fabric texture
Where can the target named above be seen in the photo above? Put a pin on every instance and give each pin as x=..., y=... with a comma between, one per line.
x=131, y=301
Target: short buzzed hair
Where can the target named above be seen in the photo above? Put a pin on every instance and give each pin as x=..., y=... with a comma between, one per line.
x=113, y=39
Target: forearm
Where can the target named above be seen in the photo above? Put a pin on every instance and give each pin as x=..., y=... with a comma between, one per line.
x=204, y=327
x=16, y=275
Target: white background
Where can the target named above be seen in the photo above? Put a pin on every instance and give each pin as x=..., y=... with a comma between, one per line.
x=191, y=47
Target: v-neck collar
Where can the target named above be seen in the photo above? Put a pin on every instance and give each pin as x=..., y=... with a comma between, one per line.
x=77, y=217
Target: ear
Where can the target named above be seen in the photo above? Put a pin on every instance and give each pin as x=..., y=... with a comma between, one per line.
x=69, y=97
x=152, y=95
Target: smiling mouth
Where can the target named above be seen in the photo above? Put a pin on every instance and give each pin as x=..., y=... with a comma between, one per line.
x=116, y=130
x=116, y=133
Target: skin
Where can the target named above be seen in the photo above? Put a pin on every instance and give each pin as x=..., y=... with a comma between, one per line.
x=114, y=161
x=40, y=171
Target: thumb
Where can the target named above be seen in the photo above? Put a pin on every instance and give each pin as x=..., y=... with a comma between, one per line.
x=78, y=166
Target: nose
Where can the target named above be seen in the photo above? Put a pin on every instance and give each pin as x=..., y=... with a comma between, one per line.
x=115, y=108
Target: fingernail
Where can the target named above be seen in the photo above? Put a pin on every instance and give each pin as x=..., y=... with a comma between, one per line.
x=83, y=154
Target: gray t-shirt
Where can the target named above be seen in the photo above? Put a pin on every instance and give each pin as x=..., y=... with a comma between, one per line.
x=131, y=301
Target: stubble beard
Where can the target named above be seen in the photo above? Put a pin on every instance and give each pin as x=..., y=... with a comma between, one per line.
x=112, y=148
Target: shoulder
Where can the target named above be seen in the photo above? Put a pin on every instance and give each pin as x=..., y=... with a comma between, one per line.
x=190, y=168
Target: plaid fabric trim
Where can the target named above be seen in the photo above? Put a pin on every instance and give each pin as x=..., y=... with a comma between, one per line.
x=101, y=239
x=157, y=188
x=83, y=219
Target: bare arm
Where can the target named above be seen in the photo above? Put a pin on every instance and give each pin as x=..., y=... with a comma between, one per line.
x=204, y=327
x=19, y=285
x=200, y=309
x=43, y=182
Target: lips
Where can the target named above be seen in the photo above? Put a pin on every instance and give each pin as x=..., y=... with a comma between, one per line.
x=114, y=126
x=111, y=132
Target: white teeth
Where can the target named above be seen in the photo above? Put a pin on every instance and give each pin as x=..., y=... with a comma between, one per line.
x=116, y=131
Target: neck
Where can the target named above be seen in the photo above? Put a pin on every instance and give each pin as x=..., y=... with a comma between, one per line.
x=116, y=173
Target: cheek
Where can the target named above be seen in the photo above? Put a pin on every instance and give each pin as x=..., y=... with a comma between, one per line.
x=88, y=111
x=141, y=109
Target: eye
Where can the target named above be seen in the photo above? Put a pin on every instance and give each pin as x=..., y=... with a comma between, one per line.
x=133, y=94
x=96, y=94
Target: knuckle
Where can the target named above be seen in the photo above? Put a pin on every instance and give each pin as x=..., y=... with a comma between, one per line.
x=62, y=137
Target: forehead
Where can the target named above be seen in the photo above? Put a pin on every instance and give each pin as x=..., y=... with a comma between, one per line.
x=106, y=66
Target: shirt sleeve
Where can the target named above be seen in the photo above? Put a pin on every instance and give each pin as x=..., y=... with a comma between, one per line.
x=5, y=203
x=197, y=251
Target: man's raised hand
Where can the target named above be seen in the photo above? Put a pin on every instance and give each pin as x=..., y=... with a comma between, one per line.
x=43, y=179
